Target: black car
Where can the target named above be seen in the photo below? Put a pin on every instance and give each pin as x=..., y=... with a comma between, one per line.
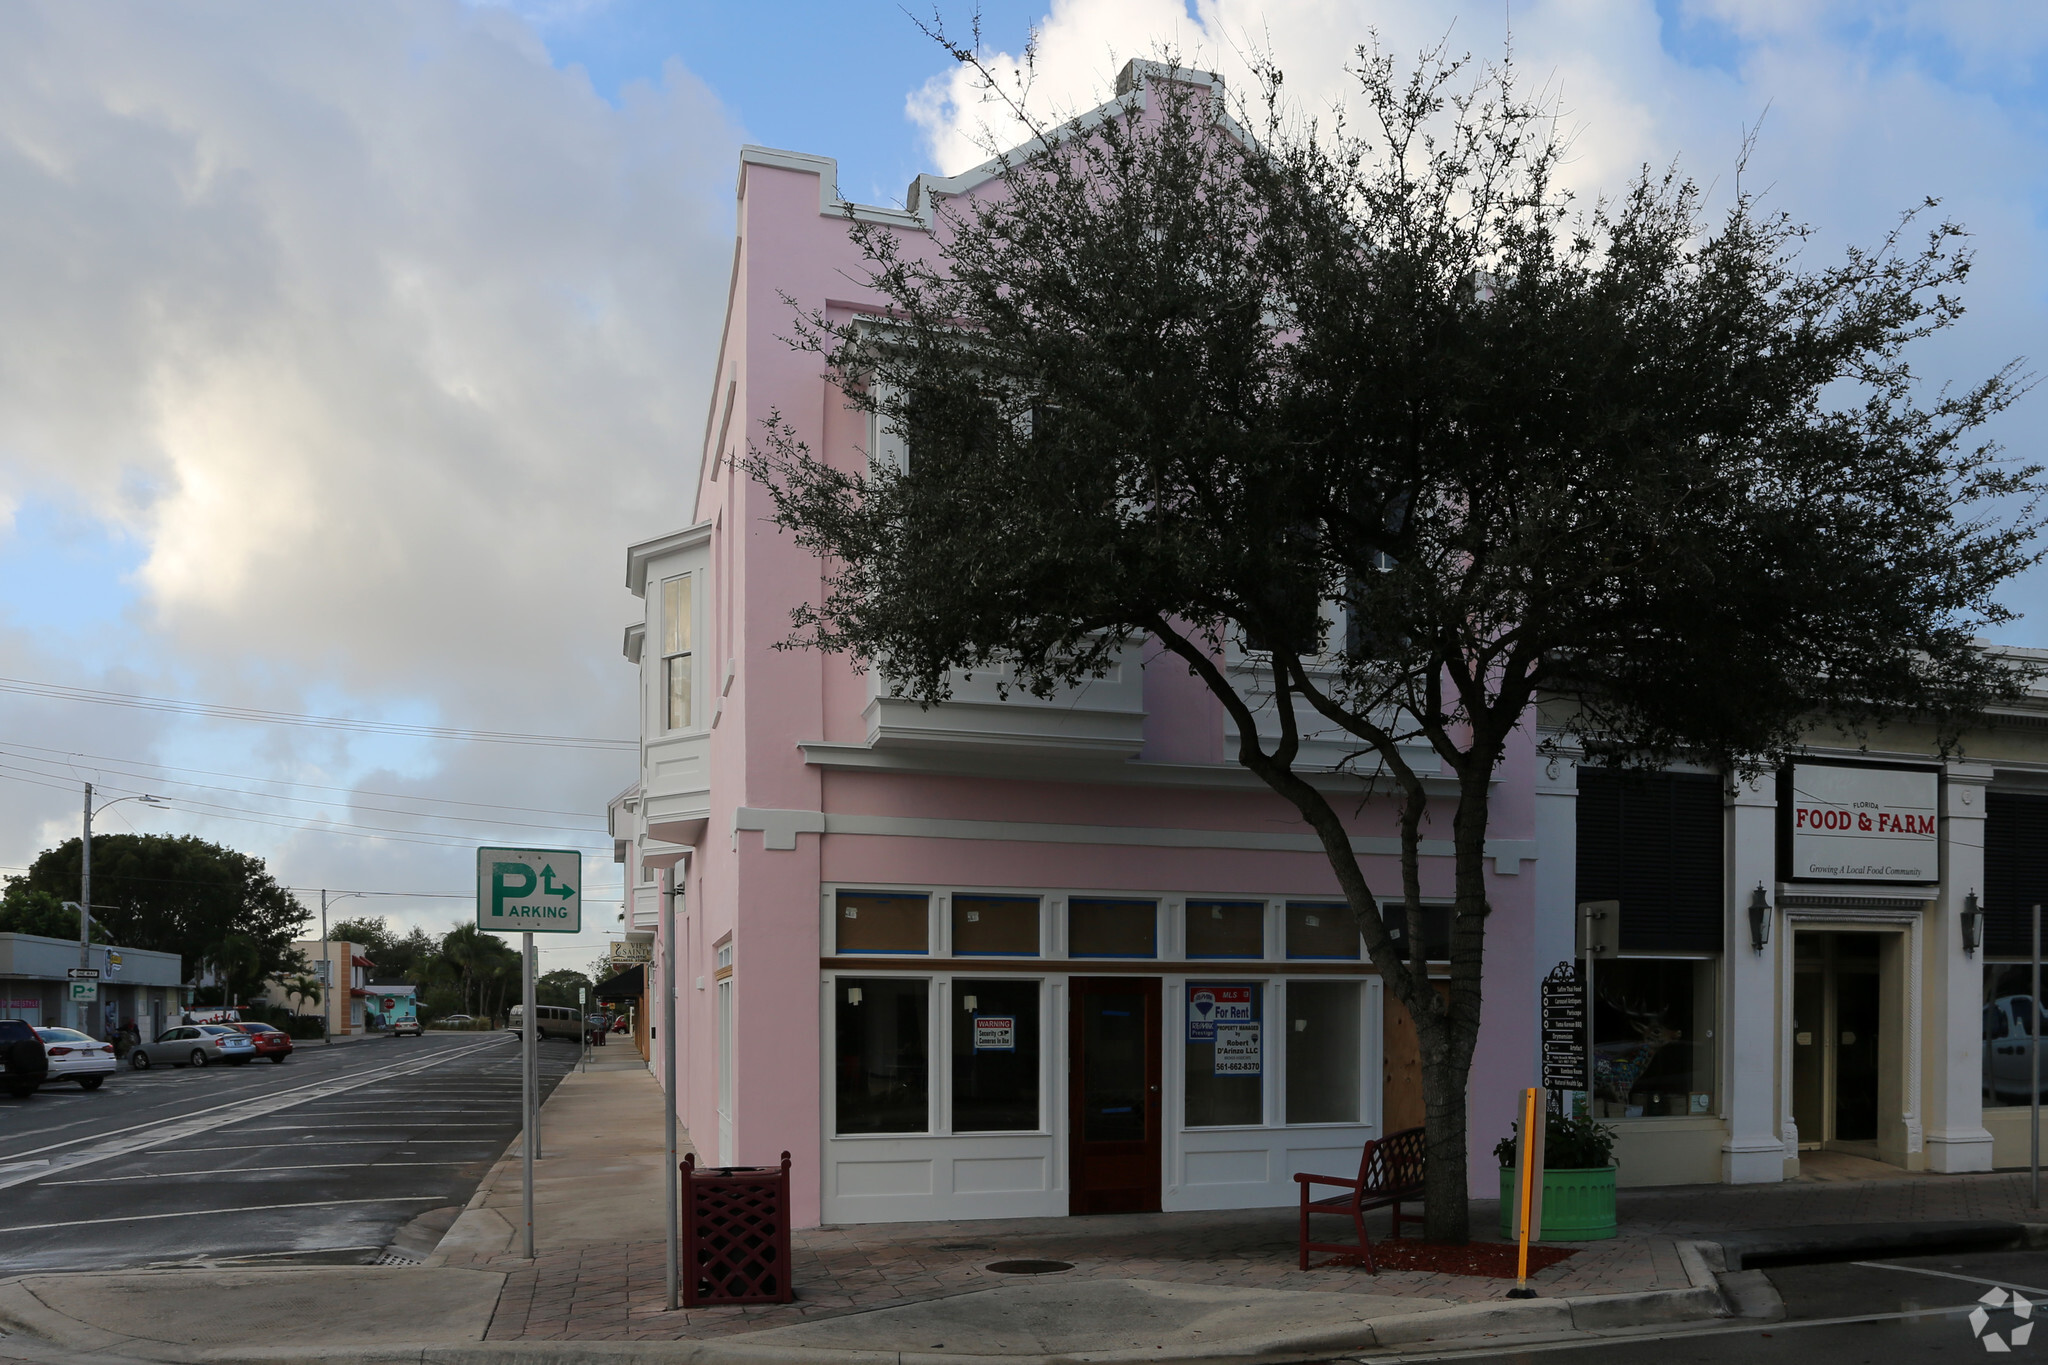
x=23, y=1063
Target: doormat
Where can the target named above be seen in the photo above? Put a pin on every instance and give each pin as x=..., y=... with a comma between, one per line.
x=1489, y=1260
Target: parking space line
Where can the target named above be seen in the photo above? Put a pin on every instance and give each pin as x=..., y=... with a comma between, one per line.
x=1946, y=1275
x=219, y=1173
x=218, y=1213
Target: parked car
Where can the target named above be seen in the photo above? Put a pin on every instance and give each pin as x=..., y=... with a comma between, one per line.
x=195, y=1045
x=2009, y=1048
x=556, y=1021
x=76, y=1056
x=271, y=1041
x=457, y=1020
x=23, y=1063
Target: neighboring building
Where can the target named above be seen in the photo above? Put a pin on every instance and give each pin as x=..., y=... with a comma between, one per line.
x=388, y=1002
x=1012, y=956
x=344, y=975
x=137, y=989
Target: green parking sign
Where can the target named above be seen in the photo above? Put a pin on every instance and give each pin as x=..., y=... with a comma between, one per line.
x=529, y=890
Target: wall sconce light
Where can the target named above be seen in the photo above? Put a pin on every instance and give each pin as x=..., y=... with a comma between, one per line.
x=1972, y=920
x=1759, y=918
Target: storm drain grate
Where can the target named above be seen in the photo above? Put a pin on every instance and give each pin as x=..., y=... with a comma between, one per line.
x=393, y=1258
x=1028, y=1267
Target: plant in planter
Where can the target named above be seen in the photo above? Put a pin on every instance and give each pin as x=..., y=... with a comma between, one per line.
x=1578, y=1179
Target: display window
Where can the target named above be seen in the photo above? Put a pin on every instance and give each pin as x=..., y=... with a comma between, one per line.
x=2010, y=1031
x=1112, y=928
x=882, y=922
x=1653, y=1037
x=1324, y=1032
x=1224, y=1075
x=995, y=926
x=1319, y=930
x=881, y=1054
x=995, y=1056
x=1226, y=929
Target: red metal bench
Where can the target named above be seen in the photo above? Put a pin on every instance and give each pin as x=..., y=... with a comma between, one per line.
x=1389, y=1171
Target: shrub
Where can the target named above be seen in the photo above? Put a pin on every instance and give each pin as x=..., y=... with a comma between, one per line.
x=302, y=1026
x=1570, y=1143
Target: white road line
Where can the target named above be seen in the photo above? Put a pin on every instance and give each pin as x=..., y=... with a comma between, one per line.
x=223, y=1173
x=1945, y=1275
x=144, y=1136
x=337, y=1142
x=323, y=1127
x=215, y=1213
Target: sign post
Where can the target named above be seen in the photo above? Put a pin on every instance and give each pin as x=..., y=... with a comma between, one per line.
x=1564, y=1032
x=528, y=891
x=1599, y=936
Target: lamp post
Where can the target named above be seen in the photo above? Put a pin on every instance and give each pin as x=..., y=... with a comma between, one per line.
x=85, y=888
x=326, y=960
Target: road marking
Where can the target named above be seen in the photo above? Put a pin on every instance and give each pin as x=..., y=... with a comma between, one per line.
x=158, y=1132
x=337, y=1142
x=1591, y=1339
x=308, y=1127
x=252, y=1170
x=216, y=1213
x=1945, y=1275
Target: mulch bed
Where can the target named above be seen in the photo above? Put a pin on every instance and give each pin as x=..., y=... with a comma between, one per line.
x=1492, y=1260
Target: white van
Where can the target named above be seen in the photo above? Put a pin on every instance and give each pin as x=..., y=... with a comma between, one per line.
x=556, y=1021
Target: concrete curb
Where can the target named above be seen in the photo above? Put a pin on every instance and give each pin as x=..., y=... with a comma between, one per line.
x=1854, y=1241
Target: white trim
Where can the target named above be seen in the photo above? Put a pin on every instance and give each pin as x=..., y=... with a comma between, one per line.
x=641, y=555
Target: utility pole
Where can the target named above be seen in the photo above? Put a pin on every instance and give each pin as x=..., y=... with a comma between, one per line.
x=326, y=970
x=85, y=906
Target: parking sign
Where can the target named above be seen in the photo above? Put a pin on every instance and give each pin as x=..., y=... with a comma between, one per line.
x=529, y=890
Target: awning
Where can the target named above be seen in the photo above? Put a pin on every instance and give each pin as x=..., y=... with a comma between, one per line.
x=361, y=962
x=630, y=984
x=357, y=992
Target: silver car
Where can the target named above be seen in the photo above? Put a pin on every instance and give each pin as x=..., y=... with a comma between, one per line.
x=195, y=1045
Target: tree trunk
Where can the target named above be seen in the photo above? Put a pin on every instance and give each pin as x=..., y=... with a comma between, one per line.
x=1446, y=1215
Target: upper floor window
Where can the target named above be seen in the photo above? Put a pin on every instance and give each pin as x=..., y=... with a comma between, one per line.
x=675, y=653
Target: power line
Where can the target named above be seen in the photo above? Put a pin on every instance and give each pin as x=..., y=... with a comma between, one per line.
x=214, y=711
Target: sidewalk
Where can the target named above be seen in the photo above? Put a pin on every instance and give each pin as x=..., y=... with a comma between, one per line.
x=1160, y=1287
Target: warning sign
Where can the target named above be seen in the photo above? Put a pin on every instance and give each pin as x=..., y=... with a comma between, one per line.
x=1237, y=1049
x=995, y=1033
x=1209, y=1006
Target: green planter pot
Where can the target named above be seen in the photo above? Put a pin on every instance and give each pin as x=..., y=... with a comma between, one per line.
x=1578, y=1206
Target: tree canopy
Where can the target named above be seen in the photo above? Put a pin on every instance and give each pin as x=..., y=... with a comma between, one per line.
x=1384, y=439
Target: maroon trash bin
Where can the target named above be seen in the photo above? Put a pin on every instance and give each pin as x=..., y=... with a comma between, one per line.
x=735, y=1234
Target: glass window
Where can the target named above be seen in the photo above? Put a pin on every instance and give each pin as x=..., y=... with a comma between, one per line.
x=995, y=1056
x=1226, y=928
x=2009, y=1034
x=675, y=652
x=1436, y=929
x=1225, y=1056
x=995, y=925
x=881, y=1065
x=882, y=922
x=1653, y=1038
x=1323, y=1038
x=1106, y=928
x=1318, y=930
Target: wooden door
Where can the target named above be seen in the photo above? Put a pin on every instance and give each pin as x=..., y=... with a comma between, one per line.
x=1115, y=1113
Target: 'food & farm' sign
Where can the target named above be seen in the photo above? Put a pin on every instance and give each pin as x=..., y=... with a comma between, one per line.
x=1862, y=824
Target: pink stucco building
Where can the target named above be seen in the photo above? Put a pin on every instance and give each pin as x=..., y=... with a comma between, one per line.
x=1000, y=957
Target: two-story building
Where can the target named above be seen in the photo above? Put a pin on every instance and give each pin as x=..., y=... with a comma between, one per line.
x=1009, y=956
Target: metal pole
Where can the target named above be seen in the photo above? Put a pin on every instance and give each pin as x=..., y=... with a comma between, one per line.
x=533, y=1054
x=1592, y=1063
x=526, y=1085
x=668, y=1081
x=327, y=969
x=2034, y=1018
x=85, y=904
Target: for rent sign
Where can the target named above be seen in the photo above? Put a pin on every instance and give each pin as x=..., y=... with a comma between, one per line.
x=1863, y=823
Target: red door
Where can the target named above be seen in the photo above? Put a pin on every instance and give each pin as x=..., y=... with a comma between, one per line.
x=1114, y=1112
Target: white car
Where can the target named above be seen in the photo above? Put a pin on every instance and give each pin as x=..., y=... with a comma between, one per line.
x=76, y=1057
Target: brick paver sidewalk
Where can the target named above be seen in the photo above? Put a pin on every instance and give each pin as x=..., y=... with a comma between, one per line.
x=616, y=1291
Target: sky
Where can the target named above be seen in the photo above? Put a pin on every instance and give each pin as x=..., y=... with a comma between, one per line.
x=345, y=348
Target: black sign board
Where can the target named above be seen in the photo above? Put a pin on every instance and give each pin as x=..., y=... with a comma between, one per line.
x=83, y=973
x=1564, y=1028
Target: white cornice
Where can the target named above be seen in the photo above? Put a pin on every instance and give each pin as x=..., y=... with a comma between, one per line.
x=638, y=557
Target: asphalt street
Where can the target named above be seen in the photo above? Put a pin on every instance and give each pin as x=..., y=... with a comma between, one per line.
x=1858, y=1313
x=322, y=1159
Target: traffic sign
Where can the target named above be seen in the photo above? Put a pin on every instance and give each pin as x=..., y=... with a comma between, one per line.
x=83, y=973
x=529, y=890
x=85, y=990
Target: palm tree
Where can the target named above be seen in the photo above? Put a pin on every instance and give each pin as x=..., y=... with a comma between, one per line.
x=303, y=988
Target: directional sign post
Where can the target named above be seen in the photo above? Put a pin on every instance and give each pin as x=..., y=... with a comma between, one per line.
x=82, y=973
x=528, y=891
x=1564, y=1030
x=85, y=990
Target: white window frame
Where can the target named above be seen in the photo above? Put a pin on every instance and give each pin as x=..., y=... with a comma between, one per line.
x=668, y=660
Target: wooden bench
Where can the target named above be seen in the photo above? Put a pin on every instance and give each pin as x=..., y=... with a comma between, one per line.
x=1389, y=1171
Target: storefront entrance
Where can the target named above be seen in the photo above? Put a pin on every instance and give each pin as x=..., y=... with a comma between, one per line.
x=1838, y=1037
x=1114, y=1103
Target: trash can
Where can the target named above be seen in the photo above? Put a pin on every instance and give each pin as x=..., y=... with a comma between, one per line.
x=735, y=1234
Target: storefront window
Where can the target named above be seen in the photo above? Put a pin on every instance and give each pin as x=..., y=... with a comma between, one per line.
x=2009, y=1035
x=1226, y=1054
x=995, y=1056
x=882, y=1058
x=1322, y=1051
x=1110, y=928
x=995, y=926
x=1318, y=930
x=1436, y=929
x=1653, y=1037
x=1226, y=928
x=882, y=922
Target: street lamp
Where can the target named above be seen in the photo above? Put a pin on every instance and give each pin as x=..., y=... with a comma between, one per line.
x=1972, y=920
x=1759, y=918
x=85, y=887
x=326, y=963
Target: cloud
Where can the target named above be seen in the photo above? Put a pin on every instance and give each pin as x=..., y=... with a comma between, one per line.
x=379, y=337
